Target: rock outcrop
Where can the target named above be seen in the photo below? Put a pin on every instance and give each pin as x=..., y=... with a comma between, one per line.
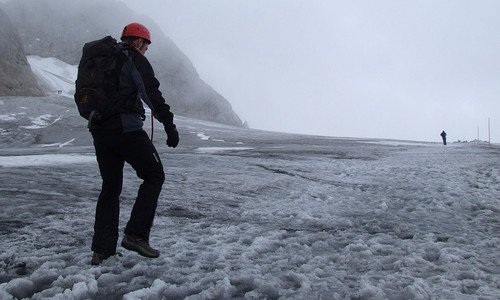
x=16, y=77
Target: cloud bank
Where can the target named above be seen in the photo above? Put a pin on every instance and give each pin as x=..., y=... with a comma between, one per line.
x=387, y=69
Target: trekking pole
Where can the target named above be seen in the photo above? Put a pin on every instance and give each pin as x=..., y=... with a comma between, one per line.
x=152, y=127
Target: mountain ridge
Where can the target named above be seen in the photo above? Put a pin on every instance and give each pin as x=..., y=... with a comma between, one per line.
x=54, y=28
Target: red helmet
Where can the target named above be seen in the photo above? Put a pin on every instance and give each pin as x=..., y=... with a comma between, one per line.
x=136, y=30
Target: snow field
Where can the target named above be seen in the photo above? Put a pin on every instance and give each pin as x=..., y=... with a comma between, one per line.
x=54, y=75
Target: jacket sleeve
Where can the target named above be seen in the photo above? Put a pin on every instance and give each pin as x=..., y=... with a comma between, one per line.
x=150, y=92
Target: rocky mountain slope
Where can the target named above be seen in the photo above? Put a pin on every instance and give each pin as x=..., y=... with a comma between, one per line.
x=15, y=73
x=58, y=28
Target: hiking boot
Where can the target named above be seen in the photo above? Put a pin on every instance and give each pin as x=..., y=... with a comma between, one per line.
x=141, y=246
x=97, y=258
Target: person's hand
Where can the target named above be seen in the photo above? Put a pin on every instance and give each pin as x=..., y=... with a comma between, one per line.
x=172, y=136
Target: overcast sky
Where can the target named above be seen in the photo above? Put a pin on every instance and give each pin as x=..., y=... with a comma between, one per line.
x=357, y=68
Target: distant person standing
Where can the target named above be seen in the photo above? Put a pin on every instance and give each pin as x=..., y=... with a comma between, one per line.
x=443, y=136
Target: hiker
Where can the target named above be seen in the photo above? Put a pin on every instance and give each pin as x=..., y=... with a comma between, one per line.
x=443, y=136
x=119, y=139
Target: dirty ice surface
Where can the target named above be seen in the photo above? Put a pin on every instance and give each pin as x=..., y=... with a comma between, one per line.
x=262, y=216
x=248, y=214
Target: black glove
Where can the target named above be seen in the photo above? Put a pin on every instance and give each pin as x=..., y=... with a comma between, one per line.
x=172, y=136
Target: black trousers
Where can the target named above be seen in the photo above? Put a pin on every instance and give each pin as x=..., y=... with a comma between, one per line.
x=112, y=151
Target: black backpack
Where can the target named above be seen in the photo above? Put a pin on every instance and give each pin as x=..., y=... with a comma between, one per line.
x=96, y=93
